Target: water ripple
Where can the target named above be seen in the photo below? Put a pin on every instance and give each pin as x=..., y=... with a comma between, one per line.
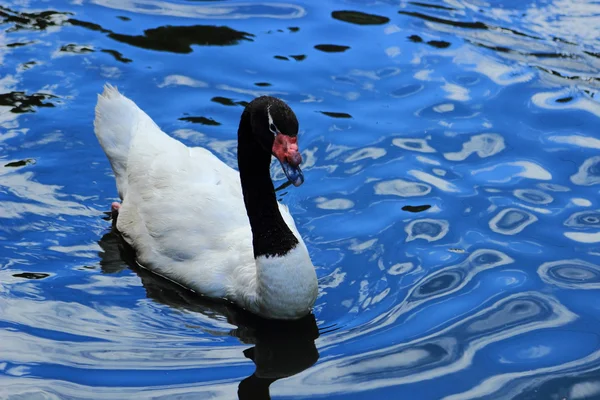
x=588, y=173
x=209, y=11
x=427, y=229
x=511, y=221
x=447, y=148
x=484, y=145
x=440, y=353
x=570, y=274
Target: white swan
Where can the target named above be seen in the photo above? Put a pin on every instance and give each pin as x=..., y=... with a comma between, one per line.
x=196, y=221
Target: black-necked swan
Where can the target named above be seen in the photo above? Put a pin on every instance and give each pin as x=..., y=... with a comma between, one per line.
x=198, y=222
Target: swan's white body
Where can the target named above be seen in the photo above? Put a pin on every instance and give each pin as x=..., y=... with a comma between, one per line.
x=184, y=214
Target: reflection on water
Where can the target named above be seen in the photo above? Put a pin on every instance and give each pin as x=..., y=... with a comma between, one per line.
x=280, y=349
x=450, y=154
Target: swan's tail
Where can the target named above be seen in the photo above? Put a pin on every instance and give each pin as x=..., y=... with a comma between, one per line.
x=116, y=122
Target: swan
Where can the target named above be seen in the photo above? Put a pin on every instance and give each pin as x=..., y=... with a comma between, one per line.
x=196, y=221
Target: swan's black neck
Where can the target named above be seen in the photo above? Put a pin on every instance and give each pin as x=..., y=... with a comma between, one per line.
x=270, y=234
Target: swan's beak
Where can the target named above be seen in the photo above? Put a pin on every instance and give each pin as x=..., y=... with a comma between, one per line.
x=285, y=149
x=294, y=174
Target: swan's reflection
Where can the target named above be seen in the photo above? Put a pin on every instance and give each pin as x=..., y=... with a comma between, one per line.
x=281, y=349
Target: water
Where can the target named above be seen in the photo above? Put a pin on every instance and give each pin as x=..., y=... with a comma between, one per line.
x=450, y=203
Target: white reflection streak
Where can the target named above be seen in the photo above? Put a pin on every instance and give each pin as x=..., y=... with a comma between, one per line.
x=528, y=170
x=58, y=390
x=229, y=11
x=583, y=237
x=21, y=185
x=577, y=140
x=125, y=325
x=354, y=365
x=484, y=145
x=434, y=180
x=250, y=92
x=182, y=80
x=19, y=348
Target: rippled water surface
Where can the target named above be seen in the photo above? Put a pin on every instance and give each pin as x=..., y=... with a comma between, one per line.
x=452, y=167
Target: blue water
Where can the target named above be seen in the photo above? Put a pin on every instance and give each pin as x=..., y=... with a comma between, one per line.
x=452, y=167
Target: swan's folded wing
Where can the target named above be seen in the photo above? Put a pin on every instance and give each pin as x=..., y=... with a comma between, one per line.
x=186, y=198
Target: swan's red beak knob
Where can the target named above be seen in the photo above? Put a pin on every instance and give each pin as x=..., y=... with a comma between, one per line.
x=285, y=149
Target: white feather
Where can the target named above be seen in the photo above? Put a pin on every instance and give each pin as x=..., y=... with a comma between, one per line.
x=183, y=212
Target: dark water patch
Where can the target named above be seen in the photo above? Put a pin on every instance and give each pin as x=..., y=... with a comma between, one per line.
x=31, y=275
x=466, y=25
x=224, y=101
x=299, y=57
x=123, y=18
x=18, y=44
x=293, y=29
x=550, y=55
x=179, y=39
x=228, y=102
x=201, y=120
x=499, y=49
x=87, y=25
x=20, y=163
x=416, y=209
x=117, y=55
x=458, y=24
x=29, y=21
x=283, y=58
x=28, y=65
x=23, y=103
x=564, y=41
x=440, y=44
x=336, y=114
x=589, y=53
x=563, y=75
x=434, y=6
x=262, y=84
x=331, y=48
x=359, y=18
x=75, y=49
x=564, y=99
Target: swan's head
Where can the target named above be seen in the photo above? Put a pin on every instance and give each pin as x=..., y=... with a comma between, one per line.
x=275, y=126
